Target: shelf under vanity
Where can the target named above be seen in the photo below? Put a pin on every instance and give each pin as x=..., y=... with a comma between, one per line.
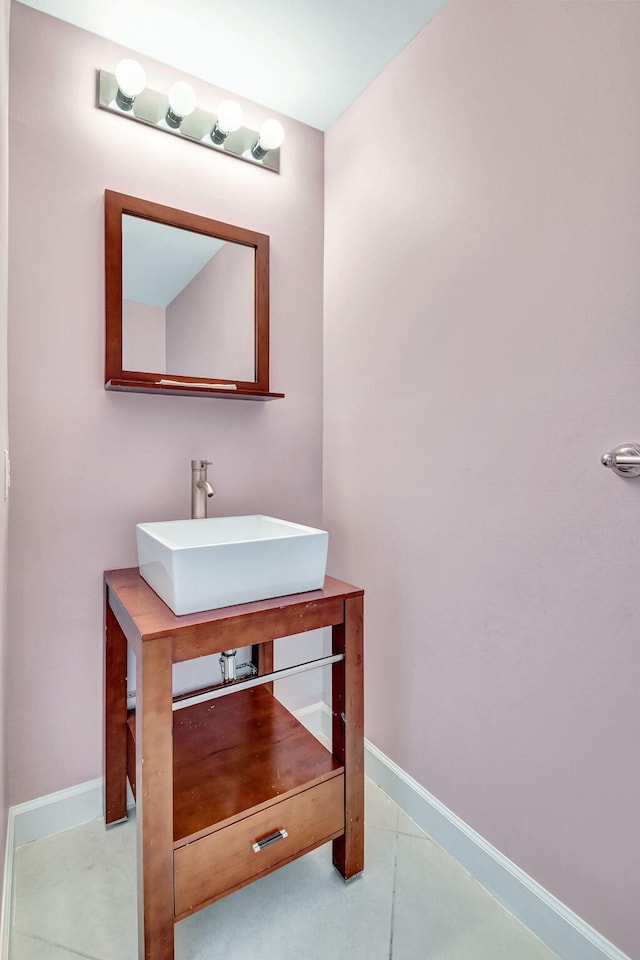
x=245, y=764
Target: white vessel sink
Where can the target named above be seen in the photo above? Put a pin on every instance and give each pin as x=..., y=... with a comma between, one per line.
x=196, y=565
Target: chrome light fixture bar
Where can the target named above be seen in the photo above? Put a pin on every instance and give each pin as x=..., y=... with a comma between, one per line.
x=176, y=113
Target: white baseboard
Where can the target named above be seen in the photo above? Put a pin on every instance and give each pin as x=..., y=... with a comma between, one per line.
x=548, y=919
x=56, y=812
x=41, y=818
x=551, y=921
x=317, y=720
x=7, y=892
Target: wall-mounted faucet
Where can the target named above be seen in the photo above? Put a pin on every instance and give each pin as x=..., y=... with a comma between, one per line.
x=200, y=489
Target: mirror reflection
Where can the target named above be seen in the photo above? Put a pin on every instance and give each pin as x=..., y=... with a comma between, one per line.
x=188, y=302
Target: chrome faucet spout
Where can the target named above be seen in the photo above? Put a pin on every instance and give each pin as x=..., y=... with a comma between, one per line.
x=201, y=489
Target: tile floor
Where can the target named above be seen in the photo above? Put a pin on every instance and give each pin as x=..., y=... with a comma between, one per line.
x=74, y=896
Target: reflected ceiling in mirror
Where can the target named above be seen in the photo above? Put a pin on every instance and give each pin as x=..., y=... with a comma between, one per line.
x=187, y=303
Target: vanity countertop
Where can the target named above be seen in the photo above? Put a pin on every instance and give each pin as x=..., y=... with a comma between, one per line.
x=144, y=616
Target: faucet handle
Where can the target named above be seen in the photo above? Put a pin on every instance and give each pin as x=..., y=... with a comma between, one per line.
x=200, y=464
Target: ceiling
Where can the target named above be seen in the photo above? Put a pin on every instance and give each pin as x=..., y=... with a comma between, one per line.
x=308, y=59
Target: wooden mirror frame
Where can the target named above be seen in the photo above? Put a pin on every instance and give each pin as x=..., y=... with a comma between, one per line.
x=115, y=206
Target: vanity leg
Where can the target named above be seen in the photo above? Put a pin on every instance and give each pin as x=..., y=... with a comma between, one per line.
x=115, y=719
x=154, y=799
x=348, y=735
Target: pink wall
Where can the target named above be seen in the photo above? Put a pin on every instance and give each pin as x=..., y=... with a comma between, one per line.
x=88, y=464
x=144, y=340
x=481, y=349
x=224, y=335
x=481, y=352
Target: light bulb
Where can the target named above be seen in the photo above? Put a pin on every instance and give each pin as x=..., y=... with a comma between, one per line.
x=229, y=120
x=182, y=102
x=131, y=80
x=230, y=116
x=271, y=137
x=271, y=134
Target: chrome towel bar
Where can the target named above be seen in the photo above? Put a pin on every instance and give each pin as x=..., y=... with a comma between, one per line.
x=624, y=460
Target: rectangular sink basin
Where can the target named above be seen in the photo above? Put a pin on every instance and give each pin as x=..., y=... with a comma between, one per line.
x=196, y=565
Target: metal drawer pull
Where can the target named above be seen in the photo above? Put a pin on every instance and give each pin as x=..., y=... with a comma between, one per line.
x=272, y=838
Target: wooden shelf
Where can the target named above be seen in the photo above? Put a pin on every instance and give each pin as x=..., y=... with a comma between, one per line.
x=234, y=756
x=188, y=390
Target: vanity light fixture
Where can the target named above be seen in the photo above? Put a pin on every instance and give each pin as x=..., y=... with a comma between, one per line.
x=271, y=137
x=125, y=93
x=182, y=103
x=229, y=120
x=131, y=80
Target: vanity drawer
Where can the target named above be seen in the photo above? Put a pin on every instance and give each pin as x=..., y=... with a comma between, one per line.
x=221, y=861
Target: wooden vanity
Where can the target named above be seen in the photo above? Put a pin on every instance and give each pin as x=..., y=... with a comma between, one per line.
x=227, y=789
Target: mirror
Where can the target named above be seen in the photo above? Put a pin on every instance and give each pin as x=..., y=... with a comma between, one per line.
x=187, y=303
